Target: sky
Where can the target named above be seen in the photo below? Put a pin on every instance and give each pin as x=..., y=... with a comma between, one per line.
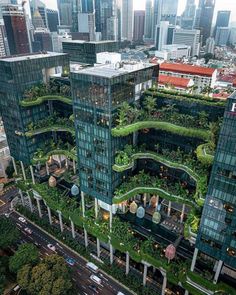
x=140, y=4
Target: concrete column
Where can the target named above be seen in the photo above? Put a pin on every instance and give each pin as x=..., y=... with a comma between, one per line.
x=127, y=263
x=182, y=214
x=22, y=197
x=32, y=174
x=111, y=254
x=74, y=167
x=14, y=165
x=98, y=248
x=169, y=209
x=144, y=200
x=110, y=219
x=83, y=204
x=3, y=170
x=67, y=165
x=60, y=220
x=194, y=259
x=218, y=270
x=186, y=292
x=47, y=168
x=145, y=274
x=164, y=285
x=157, y=202
x=85, y=238
x=39, y=207
x=30, y=202
x=59, y=158
x=23, y=169
x=72, y=229
x=49, y=215
x=96, y=207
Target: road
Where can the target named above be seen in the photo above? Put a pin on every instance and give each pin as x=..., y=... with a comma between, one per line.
x=80, y=273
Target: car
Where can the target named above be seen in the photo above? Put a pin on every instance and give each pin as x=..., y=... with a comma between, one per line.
x=96, y=279
x=6, y=215
x=28, y=230
x=94, y=288
x=37, y=244
x=51, y=247
x=22, y=219
x=70, y=261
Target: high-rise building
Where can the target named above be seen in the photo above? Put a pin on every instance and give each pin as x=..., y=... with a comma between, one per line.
x=40, y=7
x=65, y=8
x=37, y=20
x=204, y=18
x=148, y=20
x=52, y=19
x=42, y=40
x=127, y=20
x=188, y=37
x=108, y=9
x=216, y=236
x=222, y=36
x=4, y=49
x=16, y=29
x=210, y=45
x=164, y=34
x=187, y=18
x=167, y=11
x=139, y=21
x=222, y=19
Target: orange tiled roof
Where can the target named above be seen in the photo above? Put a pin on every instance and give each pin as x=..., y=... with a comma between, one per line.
x=175, y=81
x=187, y=69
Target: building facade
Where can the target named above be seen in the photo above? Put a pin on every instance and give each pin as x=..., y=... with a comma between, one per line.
x=187, y=18
x=222, y=19
x=52, y=19
x=65, y=8
x=148, y=21
x=139, y=21
x=127, y=20
x=188, y=37
x=222, y=36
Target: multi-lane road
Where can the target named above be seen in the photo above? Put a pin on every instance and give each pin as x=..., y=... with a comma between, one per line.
x=80, y=273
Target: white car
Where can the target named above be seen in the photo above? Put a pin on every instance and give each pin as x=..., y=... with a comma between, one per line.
x=22, y=219
x=51, y=247
x=28, y=230
x=96, y=279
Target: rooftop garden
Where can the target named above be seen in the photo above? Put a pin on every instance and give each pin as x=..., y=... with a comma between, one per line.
x=43, y=92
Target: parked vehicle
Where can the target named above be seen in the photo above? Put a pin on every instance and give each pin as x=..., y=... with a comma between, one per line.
x=92, y=266
x=28, y=230
x=70, y=261
x=51, y=247
x=22, y=219
x=96, y=279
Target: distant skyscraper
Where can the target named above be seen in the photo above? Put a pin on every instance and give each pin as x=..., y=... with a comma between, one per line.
x=187, y=19
x=222, y=19
x=222, y=36
x=87, y=6
x=127, y=20
x=204, y=24
x=139, y=20
x=188, y=37
x=168, y=10
x=41, y=8
x=65, y=8
x=53, y=20
x=210, y=45
x=37, y=20
x=2, y=40
x=16, y=29
x=42, y=40
x=148, y=20
x=164, y=34
x=108, y=9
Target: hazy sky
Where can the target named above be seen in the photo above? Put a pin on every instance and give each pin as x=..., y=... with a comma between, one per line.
x=140, y=4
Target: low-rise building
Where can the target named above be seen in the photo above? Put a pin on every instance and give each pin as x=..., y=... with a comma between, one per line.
x=180, y=84
x=173, y=51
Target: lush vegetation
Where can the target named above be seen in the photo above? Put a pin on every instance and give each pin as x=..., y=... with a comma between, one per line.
x=49, y=276
x=25, y=254
x=40, y=100
x=9, y=234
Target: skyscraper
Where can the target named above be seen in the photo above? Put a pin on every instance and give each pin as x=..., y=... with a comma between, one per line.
x=52, y=19
x=41, y=8
x=148, y=20
x=187, y=18
x=108, y=9
x=127, y=19
x=37, y=20
x=222, y=19
x=188, y=37
x=206, y=11
x=65, y=8
x=16, y=29
x=168, y=10
x=139, y=20
x=222, y=36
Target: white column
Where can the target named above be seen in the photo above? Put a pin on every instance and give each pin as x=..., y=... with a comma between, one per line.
x=59, y=157
x=110, y=219
x=74, y=167
x=218, y=270
x=96, y=207
x=98, y=248
x=157, y=202
x=111, y=254
x=30, y=202
x=83, y=204
x=22, y=197
x=85, y=238
x=169, y=209
x=194, y=259
x=186, y=292
x=49, y=215
x=144, y=200
x=72, y=229
x=39, y=207
x=60, y=220
x=23, y=169
x=164, y=285
x=127, y=263
x=145, y=274
x=14, y=165
x=182, y=214
x=32, y=174
x=67, y=163
x=47, y=168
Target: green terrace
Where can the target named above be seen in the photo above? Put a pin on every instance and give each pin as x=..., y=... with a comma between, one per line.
x=122, y=238
x=204, y=154
x=42, y=157
x=187, y=98
x=40, y=100
x=50, y=129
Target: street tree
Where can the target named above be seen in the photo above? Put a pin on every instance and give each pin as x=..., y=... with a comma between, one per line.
x=26, y=254
x=9, y=234
x=49, y=277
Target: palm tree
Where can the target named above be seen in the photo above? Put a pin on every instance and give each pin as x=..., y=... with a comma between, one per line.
x=150, y=105
x=123, y=112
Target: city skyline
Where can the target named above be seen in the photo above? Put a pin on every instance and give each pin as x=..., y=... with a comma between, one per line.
x=140, y=5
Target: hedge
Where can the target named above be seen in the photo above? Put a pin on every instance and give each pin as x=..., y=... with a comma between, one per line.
x=40, y=100
x=50, y=129
x=203, y=157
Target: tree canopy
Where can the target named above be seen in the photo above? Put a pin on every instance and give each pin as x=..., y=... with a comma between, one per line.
x=49, y=277
x=9, y=234
x=26, y=254
x=3, y=269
